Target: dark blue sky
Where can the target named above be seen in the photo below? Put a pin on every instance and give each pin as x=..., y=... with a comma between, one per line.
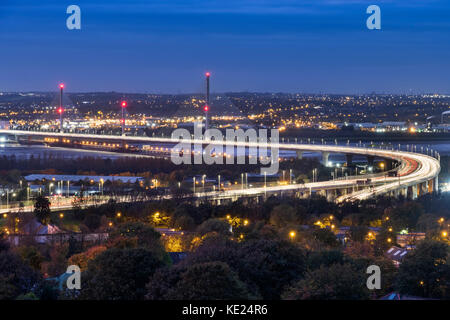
x=164, y=46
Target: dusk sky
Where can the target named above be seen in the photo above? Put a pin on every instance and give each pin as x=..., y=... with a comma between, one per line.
x=165, y=46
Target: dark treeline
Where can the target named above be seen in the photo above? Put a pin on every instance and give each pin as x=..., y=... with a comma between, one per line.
x=134, y=165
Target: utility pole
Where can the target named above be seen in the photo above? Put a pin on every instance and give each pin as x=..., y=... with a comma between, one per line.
x=206, y=107
x=60, y=109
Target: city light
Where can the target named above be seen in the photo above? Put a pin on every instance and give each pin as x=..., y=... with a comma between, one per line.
x=85, y=153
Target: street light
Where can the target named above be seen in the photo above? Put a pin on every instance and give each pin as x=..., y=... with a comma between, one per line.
x=206, y=107
x=292, y=235
x=123, y=105
x=60, y=109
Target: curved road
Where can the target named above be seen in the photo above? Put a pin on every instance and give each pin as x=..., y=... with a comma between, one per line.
x=414, y=168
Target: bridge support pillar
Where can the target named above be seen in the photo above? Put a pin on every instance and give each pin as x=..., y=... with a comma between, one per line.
x=370, y=160
x=436, y=184
x=299, y=154
x=325, y=156
x=404, y=192
x=389, y=165
x=424, y=188
x=430, y=184
x=415, y=192
x=409, y=192
x=322, y=193
x=421, y=189
x=330, y=194
x=349, y=158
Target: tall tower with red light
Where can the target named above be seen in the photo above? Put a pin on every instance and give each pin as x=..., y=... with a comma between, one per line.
x=123, y=104
x=206, y=107
x=60, y=109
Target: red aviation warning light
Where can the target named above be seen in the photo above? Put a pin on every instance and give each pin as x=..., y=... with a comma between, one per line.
x=206, y=108
x=61, y=86
x=60, y=110
x=207, y=74
x=124, y=104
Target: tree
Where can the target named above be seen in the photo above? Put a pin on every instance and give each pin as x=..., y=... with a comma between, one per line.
x=143, y=235
x=92, y=221
x=214, y=225
x=203, y=281
x=326, y=237
x=426, y=271
x=317, y=259
x=406, y=216
x=358, y=233
x=184, y=222
x=336, y=282
x=16, y=277
x=82, y=259
x=31, y=256
x=266, y=266
x=270, y=265
x=42, y=209
x=4, y=244
x=119, y=274
x=283, y=216
x=58, y=260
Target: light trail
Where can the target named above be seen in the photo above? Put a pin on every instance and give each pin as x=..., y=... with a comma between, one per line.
x=415, y=168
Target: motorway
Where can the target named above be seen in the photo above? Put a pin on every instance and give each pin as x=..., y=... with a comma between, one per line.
x=414, y=169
